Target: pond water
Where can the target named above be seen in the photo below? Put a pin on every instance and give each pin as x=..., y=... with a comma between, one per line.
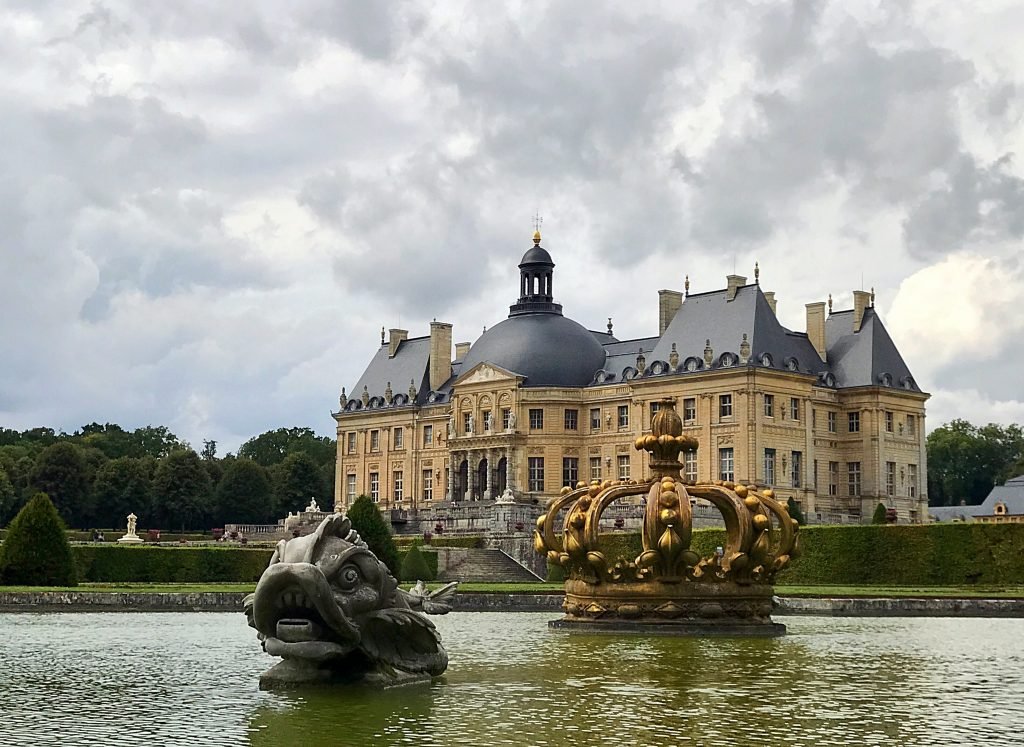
x=160, y=679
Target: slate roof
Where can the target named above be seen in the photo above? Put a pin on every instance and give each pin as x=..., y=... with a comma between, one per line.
x=551, y=350
x=711, y=316
x=1011, y=494
x=865, y=358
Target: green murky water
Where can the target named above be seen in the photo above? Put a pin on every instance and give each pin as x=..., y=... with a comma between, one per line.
x=162, y=679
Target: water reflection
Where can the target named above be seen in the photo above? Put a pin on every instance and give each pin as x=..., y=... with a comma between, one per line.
x=192, y=678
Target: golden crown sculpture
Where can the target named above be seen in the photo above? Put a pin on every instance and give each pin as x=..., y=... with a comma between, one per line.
x=668, y=587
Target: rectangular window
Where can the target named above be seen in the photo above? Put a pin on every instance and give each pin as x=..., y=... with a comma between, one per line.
x=350, y=488
x=428, y=485
x=488, y=417
x=571, y=420
x=794, y=408
x=890, y=478
x=623, y=416
x=428, y=435
x=769, y=405
x=888, y=421
x=690, y=466
x=833, y=478
x=690, y=410
x=506, y=418
x=853, y=422
x=351, y=442
x=655, y=406
x=399, y=437
x=724, y=405
x=769, y=466
x=536, y=419
x=595, y=419
x=623, y=466
x=831, y=422
x=725, y=464
x=374, y=440
x=595, y=468
x=815, y=475
x=397, y=485
x=467, y=423
x=814, y=419
x=853, y=481
x=536, y=474
x=912, y=480
x=911, y=425
x=796, y=468
x=570, y=471
x=375, y=486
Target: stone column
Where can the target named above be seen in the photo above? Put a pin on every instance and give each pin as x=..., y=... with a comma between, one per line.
x=472, y=462
x=490, y=475
x=508, y=469
x=451, y=475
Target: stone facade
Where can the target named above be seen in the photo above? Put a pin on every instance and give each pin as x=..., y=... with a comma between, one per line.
x=491, y=437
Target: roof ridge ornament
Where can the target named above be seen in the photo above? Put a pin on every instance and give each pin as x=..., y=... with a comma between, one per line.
x=830, y=304
x=757, y=274
x=686, y=286
x=609, y=325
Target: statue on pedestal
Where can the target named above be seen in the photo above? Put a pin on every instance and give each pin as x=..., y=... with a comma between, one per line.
x=131, y=537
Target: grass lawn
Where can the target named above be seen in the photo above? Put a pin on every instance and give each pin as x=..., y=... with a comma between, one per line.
x=992, y=592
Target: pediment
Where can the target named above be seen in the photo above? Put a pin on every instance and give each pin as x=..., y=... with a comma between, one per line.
x=487, y=373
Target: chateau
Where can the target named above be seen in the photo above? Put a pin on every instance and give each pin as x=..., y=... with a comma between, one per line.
x=829, y=416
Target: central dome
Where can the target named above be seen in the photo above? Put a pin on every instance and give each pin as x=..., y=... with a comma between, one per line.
x=548, y=349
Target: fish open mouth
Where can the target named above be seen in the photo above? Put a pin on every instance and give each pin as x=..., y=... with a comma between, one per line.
x=295, y=609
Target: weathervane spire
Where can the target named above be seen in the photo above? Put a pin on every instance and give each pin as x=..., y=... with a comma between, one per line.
x=538, y=221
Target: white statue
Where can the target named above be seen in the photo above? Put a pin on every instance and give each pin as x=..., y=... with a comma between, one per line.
x=511, y=421
x=131, y=537
x=312, y=508
x=451, y=426
x=470, y=424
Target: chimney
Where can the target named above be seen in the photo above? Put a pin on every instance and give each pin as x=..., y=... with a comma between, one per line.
x=668, y=304
x=397, y=337
x=440, y=354
x=861, y=300
x=461, y=348
x=816, y=326
x=769, y=296
x=734, y=284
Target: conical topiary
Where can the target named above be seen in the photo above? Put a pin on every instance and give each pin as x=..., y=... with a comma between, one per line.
x=414, y=566
x=879, y=516
x=35, y=551
x=374, y=531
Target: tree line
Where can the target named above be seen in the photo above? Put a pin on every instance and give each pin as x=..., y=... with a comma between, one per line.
x=965, y=461
x=99, y=474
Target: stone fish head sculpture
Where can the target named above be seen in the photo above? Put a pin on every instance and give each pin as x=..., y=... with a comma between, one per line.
x=334, y=612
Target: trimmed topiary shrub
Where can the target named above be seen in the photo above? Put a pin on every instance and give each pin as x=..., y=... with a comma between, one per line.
x=414, y=566
x=375, y=531
x=111, y=563
x=35, y=551
x=878, y=517
x=794, y=510
x=556, y=573
x=882, y=555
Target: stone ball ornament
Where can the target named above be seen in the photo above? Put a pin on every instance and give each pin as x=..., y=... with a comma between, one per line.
x=334, y=614
x=669, y=588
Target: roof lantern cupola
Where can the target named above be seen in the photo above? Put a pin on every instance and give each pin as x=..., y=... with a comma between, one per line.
x=536, y=272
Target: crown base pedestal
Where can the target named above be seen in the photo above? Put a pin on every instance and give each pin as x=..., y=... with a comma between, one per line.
x=670, y=608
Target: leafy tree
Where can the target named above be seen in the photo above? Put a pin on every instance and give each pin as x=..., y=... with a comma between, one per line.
x=272, y=447
x=209, y=451
x=155, y=441
x=965, y=461
x=794, y=510
x=375, y=531
x=878, y=517
x=123, y=486
x=182, y=490
x=62, y=473
x=244, y=495
x=297, y=479
x=8, y=496
x=414, y=566
x=35, y=551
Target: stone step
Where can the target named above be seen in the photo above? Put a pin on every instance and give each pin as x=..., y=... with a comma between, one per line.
x=484, y=566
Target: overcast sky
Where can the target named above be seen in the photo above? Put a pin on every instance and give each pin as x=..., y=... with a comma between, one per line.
x=208, y=210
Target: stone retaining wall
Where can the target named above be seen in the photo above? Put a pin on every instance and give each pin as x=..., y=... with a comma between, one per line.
x=206, y=601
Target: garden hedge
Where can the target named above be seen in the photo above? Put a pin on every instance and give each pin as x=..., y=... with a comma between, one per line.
x=897, y=555
x=439, y=541
x=120, y=564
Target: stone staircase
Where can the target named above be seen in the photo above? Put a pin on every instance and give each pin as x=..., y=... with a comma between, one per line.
x=463, y=564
